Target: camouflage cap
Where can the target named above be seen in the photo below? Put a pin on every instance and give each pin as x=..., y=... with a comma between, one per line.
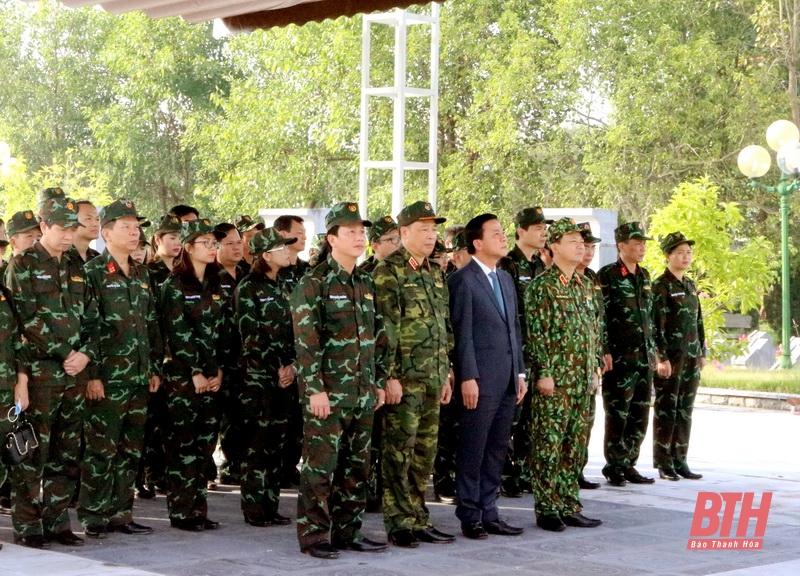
x=169, y=223
x=143, y=237
x=459, y=241
x=561, y=227
x=673, y=240
x=439, y=248
x=21, y=221
x=61, y=212
x=245, y=223
x=266, y=240
x=195, y=228
x=49, y=194
x=418, y=211
x=586, y=232
x=120, y=208
x=344, y=214
x=630, y=231
x=380, y=227
x=317, y=241
x=528, y=216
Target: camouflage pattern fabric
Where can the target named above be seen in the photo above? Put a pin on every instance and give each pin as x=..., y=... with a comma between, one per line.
x=368, y=265
x=597, y=297
x=10, y=364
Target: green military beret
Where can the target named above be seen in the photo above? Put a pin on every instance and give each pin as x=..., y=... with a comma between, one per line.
x=245, y=223
x=61, y=212
x=560, y=228
x=586, y=232
x=673, y=240
x=380, y=227
x=418, y=211
x=528, y=216
x=196, y=228
x=21, y=222
x=630, y=231
x=49, y=194
x=344, y=214
x=169, y=223
x=266, y=240
x=120, y=208
x=459, y=242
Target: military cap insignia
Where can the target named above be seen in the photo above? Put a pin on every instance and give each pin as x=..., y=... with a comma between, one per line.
x=57, y=191
x=427, y=206
x=572, y=221
x=352, y=207
x=640, y=226
x=246, y=218
x=387, y=219
x=128, y=204
x=70, y=206
x=585, y=226
x=112, y=268
x=206, y=221
x=173, y=219
x=538, y=210
x=28, y=215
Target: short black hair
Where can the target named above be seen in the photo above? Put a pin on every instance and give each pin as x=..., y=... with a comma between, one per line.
x=284, y=223
x=181, y=210
x=226, y=227
x=474, y=230
x=451, y=231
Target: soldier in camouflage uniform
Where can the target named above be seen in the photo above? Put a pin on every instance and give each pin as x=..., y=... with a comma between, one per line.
x=524, y=264
x=195, y=319
x=414, y=302
x=384, y=238
x=49, y=294
x=23, y=231
x=340, y=344
x=263, y=317
x=90, y=231
x=122, y=330
x=629, y=328
x=680, y=350
x=248, y=227
x=315, y=249
x=563, y=348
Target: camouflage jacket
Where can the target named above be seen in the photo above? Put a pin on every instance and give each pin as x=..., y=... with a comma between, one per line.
x=677, y=317
x=292, y=274
x=522, y=271
x=195, y=318
x=50, y=299
x=369, y=264
x=339, y=336
x=232, y=346
x=121, y=322
x=264, y=320
x=593, y=284
x=564, y=338
x=414, y=302
x=10, y=344
x=628, y=302
x=3, y=268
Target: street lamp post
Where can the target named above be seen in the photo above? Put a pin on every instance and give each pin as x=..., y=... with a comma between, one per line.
x=754, y=161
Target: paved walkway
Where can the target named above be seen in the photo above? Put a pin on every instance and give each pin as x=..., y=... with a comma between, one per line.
x=645, y=528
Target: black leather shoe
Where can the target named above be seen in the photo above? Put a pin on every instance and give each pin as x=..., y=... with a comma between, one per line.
x=500, y=528
x=585, y=484
x=403, y=539
x=615, y=478
x=259, y=521
x=551, y=522
x=130, y=528
x=321, y=549
x=209, y=524
x=145, y=492
x=688, y=474
x=668, y=474
x=97, y=531
x=187, y=524
x=33, y=541
x=474, y=530
x=632, y=475
x=66, y=538
x=362, y=545
x=511, y=491
x=580, y=521
x=433, y=536
x=278, y=520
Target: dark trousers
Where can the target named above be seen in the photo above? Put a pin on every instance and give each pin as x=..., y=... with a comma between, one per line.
x=445, y=465
x=152, y=466
x=673, y=407
x=293, y=448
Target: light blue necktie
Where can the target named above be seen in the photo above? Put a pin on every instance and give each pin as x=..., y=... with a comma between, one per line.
x=497, y=293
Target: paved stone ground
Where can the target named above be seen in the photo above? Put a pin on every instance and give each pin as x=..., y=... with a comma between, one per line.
x=645, y=528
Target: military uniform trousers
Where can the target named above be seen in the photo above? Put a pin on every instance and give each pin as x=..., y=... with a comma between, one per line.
x=190, y=440
x=626, y=400
x=589, y=426
x=444, y=466
x=673, y=411
x=265, y=410
x=114, y=435
x=56, y=413
x=293, y=447
x=517, y=473
x=153, y=463
x=231, y=434
x=410, y=435
x=333, y=479
x=559, y=430
x=6, y=402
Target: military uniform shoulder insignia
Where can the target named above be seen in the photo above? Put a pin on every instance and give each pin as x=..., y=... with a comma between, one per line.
x=413, y=262
x=578, y=279
x=112, y=268
x=562, y=279
x=623, y=270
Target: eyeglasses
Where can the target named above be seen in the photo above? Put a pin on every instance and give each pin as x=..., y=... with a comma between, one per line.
x=210, y=244
x=279, y=249
x=391, y=240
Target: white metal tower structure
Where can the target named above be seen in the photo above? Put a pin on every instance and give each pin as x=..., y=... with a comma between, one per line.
x=399, y=92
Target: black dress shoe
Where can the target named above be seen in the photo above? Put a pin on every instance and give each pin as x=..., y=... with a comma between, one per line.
x=187, y=524
x=321, y=549
x=511, y=491
x=585, y=484
x=632, y=475
x=433, y=536
x=130, y=528
x=33, y=541
x=66, y=538
x=500, y=528
x=668, y=474
x=209, y=524
x=615, y=478
x=97, y=531
x=278, y=520
x=580, y=521
x=688, y=474
x=403, y=539
x=363, y=544
x=144, y=492
x=551, y=522
x=474, y=530
x=257, y=520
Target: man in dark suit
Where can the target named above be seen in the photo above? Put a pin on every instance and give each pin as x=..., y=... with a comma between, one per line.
x=491, y=375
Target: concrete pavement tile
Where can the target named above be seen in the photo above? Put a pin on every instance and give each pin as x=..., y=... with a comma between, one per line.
x=582, y=567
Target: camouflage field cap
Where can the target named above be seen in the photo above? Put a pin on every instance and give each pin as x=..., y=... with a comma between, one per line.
x=561, y=227
x=195, y=228
x=459, y=242
x=169, y=223
x=21, y=222
x=316, y=242
x=49, y=194
x=630, y=231
x=61, y=212
x=344, y=214
x=266, y=240
x=120, y=208
x=245, y=223
x=380, y=227
x=143, y=238
x=586, y=232
x=418, y=211
x=673, y=240
x=439, y=249
x=528, y=216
